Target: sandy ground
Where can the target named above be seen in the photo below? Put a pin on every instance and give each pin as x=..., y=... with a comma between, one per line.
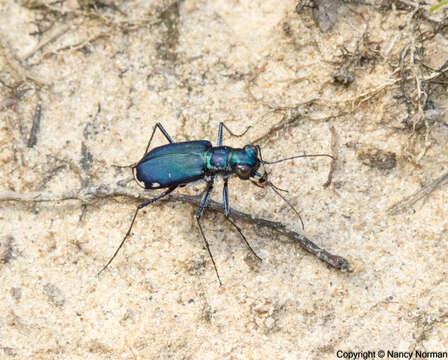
x=94, y=77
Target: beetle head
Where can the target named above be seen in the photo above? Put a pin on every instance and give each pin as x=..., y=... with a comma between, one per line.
x=245, y=162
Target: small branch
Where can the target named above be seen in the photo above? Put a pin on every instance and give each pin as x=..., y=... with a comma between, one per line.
x=407, y=202
x=8, y=101
x=80, y=44
x=18, y=67
x=290, y=117
x=105, y=191
x=32, y=140
x=418, y=6
x=61, y=31
x=333, y=153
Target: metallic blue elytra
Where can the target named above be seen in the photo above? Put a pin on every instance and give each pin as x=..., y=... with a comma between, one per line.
x=173, y=164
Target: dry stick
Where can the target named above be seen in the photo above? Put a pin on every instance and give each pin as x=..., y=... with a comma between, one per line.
x=335, y=261
x=333, y=153
x=287, y=120
x=8, y=101
x=81, y=44
x=423, y=192
x=370, y=93
x=42, y=44
x=418, y=6
x=32, y=140
x=104, y=191
x=18, y=67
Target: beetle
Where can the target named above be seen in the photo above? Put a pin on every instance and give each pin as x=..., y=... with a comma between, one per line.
x=177, y=164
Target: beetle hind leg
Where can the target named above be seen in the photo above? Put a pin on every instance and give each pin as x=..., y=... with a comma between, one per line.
x=140, y=206
x=202, y=206
x=163, y=131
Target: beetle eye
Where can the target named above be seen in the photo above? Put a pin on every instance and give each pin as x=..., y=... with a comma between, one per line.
x=243, y=171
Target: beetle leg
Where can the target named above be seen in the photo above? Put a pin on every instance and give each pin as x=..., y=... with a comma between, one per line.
x=205, y=198
x=225, y=197
x=140, y=206
x=243, y=237
x=222, y=125
x=220, y=134
x=202, y=206
x=164, y=132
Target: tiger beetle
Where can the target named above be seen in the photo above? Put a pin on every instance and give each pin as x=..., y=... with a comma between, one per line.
x=178, y=164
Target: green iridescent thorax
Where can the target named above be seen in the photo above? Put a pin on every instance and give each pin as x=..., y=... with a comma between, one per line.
x=245, y=156
x=226, y=160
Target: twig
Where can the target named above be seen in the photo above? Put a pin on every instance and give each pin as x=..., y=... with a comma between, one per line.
x=51, y=39
x=18, y=68
x=424, y=192
x=333, y=153
x=290, y=120
x=8, y=101
x=15, y=95
x=105, y=191
x=403, y=54
x=290, y=117
x=363, y=97
x=82, y=43
x=418, y=6
x=32, y=140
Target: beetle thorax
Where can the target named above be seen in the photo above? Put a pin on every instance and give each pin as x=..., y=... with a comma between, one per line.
x=224, y=160
x=218, y=160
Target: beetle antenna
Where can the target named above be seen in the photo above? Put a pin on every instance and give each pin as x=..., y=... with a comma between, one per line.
x=276, y=190
x=296, y=157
